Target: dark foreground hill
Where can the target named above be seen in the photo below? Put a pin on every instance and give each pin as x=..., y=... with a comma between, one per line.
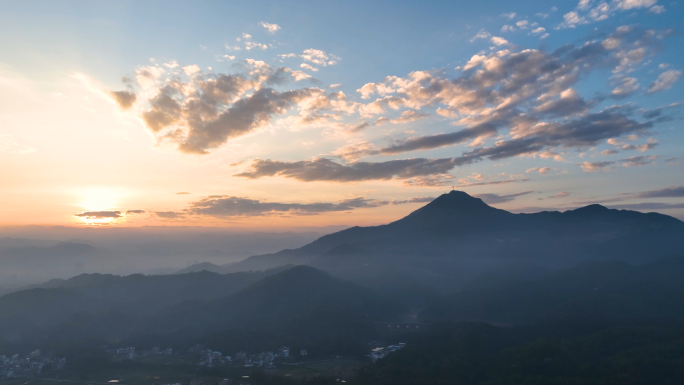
x=24, y=313
x=294, y=305
x=605, y=290
x=451, y=240
x=299, y=305
x=562, y=353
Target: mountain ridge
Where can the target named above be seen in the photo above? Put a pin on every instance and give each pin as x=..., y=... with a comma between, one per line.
x=460, y=234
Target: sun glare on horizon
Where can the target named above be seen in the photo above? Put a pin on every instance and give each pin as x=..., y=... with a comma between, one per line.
x=100, y=205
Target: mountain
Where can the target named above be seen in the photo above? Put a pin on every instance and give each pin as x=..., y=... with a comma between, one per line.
x=131, y=297
x=603, y=290
x=202, y=266
x=456, y=237
x=294, y=305
x=301, y=305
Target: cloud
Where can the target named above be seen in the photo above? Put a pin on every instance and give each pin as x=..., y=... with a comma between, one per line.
x=308, y=67
x=482, y=34
x=496, y=198
x=224, y=206
x=584, y=131
x=538, y=31
x=135, y=212
x=243, y=116
x=585, y=14
x=648, y=206
x=474, y=61
x=169, y=214
x=250, y=45
x=182, y=193
x=561, y=194
x=523, y=91
x=227, y=206
x=125, y=99
x=272, y=28
x=446, y=180
x=522, y=24
x=319, y=57
x=440, y=140
x=191, y=69
x=541, y=170
x=632, y=161
x=509, y=16
x=10, y=146
x=569, y=103
x=665, y=81
x=596, y=166
x=657, y=9
x=650, y=144
x=633, y=4
x=209, y=109
x=99, y=214
x=326, y=170
x=409, y=116
x=414, y=200
x=571, y=20
x=668, y=192
x=584, y=4
x=499, y=40
x=627, y=87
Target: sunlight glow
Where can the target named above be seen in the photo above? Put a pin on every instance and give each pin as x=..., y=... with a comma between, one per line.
x=99, y=198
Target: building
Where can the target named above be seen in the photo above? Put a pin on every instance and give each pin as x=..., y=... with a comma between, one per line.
x=401, y=327
x=284, y=352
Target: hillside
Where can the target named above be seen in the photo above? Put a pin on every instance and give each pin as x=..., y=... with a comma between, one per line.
x=603, y=290
x=301, y=302
x=95, y=295
x=290, y=304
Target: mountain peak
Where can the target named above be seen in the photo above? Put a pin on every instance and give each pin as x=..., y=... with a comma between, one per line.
x=594, y=209
x=451, y=211
x=459, y=200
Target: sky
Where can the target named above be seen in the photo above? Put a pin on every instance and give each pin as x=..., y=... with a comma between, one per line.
x=310, y=113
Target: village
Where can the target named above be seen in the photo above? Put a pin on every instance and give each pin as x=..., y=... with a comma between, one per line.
x=29, y=365
x=210, y=358
x=36, y=364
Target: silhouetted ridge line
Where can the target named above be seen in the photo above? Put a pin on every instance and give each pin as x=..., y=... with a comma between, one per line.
x=457, y=200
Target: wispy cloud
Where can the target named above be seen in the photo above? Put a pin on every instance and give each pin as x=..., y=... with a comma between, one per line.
x=272, y=28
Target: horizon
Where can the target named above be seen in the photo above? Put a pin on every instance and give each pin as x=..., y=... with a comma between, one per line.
x=61, y=231
x=278, y=118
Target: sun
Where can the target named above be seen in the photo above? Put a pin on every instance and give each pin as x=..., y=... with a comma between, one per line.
x=99, y=199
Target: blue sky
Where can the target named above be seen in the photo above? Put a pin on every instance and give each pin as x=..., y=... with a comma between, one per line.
x=609, y=132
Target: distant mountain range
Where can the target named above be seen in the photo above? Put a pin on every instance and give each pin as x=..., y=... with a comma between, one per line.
x=286, y=304
x=455, y=238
